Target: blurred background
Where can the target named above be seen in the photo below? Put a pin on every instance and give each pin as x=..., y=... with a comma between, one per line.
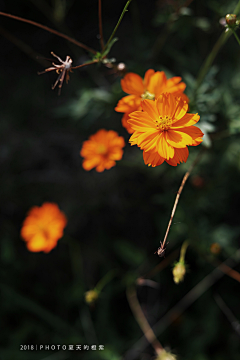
x=117, y=218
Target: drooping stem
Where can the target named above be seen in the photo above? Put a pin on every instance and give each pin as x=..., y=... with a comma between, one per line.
x=116, y=27
x=141, y=320
x=178, y=195
x=100, y=23
x=49, y=30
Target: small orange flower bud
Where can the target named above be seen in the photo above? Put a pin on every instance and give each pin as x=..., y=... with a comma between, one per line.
x=179, y=271
x=231, y=19
x=91, y=296
x=215, y=248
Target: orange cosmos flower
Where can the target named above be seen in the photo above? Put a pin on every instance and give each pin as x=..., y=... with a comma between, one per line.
x=102, y=150
x=164, y=130
x=43, y=227
x=153, y=85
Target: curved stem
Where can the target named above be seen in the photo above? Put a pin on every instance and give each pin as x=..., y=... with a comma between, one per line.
x=49, y=30
x=178, y=196
x=141, y=320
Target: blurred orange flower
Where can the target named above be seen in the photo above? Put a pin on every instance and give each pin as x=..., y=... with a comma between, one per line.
x=153, y=85
x=43, y=227
x=164, y=130
x=102, y=150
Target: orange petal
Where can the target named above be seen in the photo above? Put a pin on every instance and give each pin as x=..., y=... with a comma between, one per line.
x=132, y=84
x=125, y=123
x=178, y=139
x=166, y=104
x=149, y=106
x=186, y=120
x=180, y=155
x=195, y=133
x=146, y=137
x=141, y=121
x=89, y=164
x=181, y=108
x=128, y=104
x=147, y=78
x=152, y=158
x=163, y=147
x=157, y=83
x=174, y=85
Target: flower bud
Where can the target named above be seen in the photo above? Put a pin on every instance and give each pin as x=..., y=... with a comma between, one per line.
x=215, y=248
x=91, y=296
x=165, y=355
x=231, y=19
x=179, y=271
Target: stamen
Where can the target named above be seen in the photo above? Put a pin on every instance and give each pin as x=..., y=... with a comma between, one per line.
x=148, y=95
x=163, y=122
x=102, y=149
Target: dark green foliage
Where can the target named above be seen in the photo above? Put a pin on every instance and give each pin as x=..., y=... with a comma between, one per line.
x=116, y=219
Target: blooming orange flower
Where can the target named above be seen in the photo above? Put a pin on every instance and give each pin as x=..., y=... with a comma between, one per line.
x=153, y=85
x=164, y=130
x=102, y=150
x=43, y=227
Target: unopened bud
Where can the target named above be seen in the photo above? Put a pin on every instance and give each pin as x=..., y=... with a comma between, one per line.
x=231, y=19
x=215, y=248
x=91, y=296
x=165, y=355
x=179, y=272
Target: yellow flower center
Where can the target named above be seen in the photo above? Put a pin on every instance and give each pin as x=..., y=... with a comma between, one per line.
x=163, y=122
x=148, y=95
x=102, y=149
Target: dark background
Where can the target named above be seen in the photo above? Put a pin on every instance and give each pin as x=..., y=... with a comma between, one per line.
x=117, y=218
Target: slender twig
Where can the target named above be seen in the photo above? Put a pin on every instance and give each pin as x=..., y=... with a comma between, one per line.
x=108, y=277
x=22, y=46
x=184, y=304
x=229, y=315
x=118, y=23
x=229, y=271
x=87, y=63
x=49, y=30
x=100, y=23
x=141, y=319
x=178, y=196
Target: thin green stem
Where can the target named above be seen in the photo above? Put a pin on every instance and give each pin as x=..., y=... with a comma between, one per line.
x=100, y=285
x=116, y=27
x=31, y=306
x=49, y=30
x=211, y=57
x=235, y=34
x=183, y=251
